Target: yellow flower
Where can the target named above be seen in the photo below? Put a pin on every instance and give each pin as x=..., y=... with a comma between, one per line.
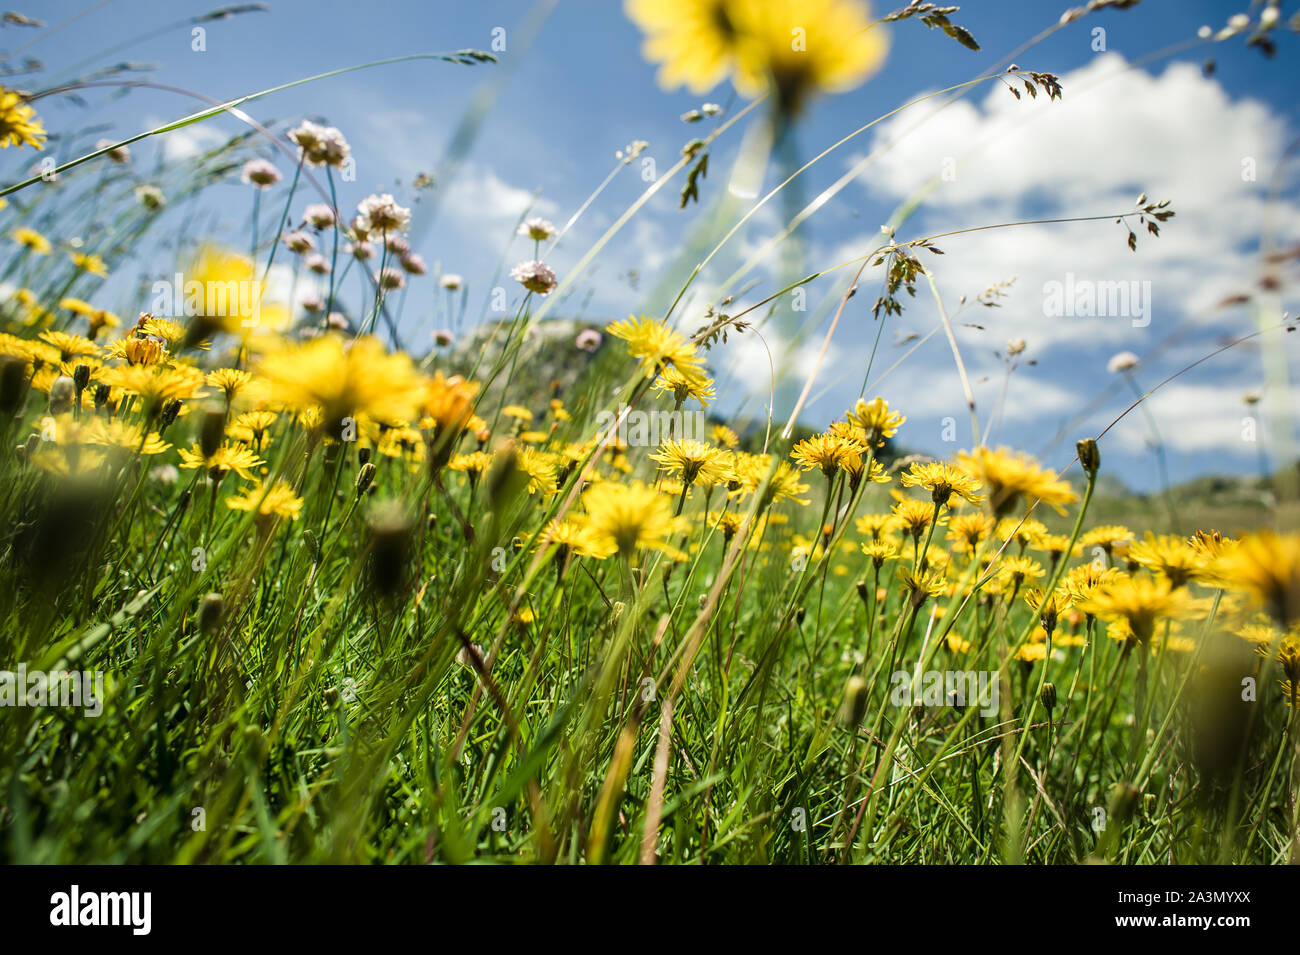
x=89, y=262
x=137, y=350
x=830, y=452
x=229, y=380
x=1012, y=477
x=1081, y=582
x=1032, y=652
x=226, y=458
x=1106, y=537
x=694, y=460
x=912, y=517
x=32, y=240
x=568, y=537
x=518, y=412
x=753, y=470
x=19, y=124
x=1014, y=571
x=473, y=464
x=875, y=419
x=1170, y=556
x=920, y=585
x=881, y=550
x=344, y=379
x=724, y=436
x=657, y=346
x=966, y=531
x=875, y=525
x=684, y=384
x=448, y=404
x=792, y=47
x=1140, y=602
x=942, y=481
x=225, y=294
x=251, y=427
x=70, y=346
x=540, y=466
x=1267, y=566
x=279, y=500
x=624, y=518
x=119, y=434
x=155, y=384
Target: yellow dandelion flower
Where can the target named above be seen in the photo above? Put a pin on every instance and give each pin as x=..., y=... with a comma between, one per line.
x=1267, y=567
x=69, y=346
x=721, y=434
x=344, y=379
x=1015, y=571
x=19, y=124
x=277, y=501
x=472, y=464
x=228, y=457
x=1140, y=601
x=684, y=384
x=967, y=531
x=694, y=461
x=657, y=346
x=624, y=518
x=1012, y=478
x=229, y=380
x=32, y=240
x=875, y=419
x=792, y=47
x=89, y=262
x=830, y=452
x=942, y=481
x=753, y=472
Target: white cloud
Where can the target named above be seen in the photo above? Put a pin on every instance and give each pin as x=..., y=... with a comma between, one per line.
x=1115, y=133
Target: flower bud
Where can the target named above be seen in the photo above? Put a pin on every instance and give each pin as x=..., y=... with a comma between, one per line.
x=210, y=611
x=855, y=701
x=365, y=477
x=1047, y=696
x=212, y=431
x=1089, y=456
x=62, y=394
x=13, y=384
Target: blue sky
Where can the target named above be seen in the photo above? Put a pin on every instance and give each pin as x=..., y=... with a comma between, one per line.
x=581, y=90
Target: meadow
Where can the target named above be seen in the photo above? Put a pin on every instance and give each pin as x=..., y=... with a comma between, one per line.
x=274, y=591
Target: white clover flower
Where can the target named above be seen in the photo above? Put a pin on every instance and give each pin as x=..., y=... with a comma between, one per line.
x=537, y=229
x=381, y=213
x=413, y=264
x=260, y=173
x=120, y=154
x=317, y=263
x=320, y=145
x=299, y=242
x=318, y=215
x=1122, y=362
x=150, y=197
x=451, y=282
x=390, y=279
x=535, y=276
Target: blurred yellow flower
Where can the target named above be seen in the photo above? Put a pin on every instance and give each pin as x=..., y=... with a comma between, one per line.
x=791, y=47
x=19, y=124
